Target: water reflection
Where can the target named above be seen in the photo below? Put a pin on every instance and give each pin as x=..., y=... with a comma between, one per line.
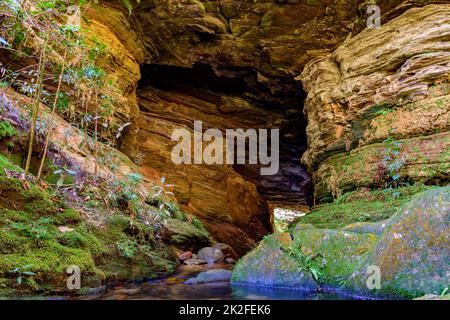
x=173, y=288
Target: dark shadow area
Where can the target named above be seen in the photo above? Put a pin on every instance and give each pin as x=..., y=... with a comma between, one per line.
x=281, y=97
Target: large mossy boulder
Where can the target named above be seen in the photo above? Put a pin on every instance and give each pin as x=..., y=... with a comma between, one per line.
x=314, y=257
x=270, y=266
x=333, y=254
x=185, y=235
x=413, y=253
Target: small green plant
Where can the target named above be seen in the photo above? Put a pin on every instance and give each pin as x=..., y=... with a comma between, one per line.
x=307, y=263
x=35, y=230
x=7, y=130
x=22, y=273
x=127, y=248
x=64, y=176
x=62, y=102
x=162, y=199
x=393, y=162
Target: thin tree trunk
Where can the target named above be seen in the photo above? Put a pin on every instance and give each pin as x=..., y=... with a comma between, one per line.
x=96, y=134
x=55, y=101
x=35, y=110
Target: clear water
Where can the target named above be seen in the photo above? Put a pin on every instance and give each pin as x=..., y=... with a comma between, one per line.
x=173, y=288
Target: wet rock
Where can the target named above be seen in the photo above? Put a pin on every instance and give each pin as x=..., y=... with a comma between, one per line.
x=376, y=228
x=227, y=251
x=230, y=261
x=211, y=255
x=211, y=276
x=185, y=256
x=195, y=261
x=269, y=265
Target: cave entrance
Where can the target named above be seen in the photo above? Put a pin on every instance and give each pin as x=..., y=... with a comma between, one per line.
x=231, y=98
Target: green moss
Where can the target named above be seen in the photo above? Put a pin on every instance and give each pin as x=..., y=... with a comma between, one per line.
x=185, y=234
x=5, y=163
x=30, y=199
x=124, y=248
x=41, y=207
x=73, y=239
x=10, y=216
x=361, y=206
x=68, y=216
x=335, y=254
x=10, y=242
x=271, y=265
x=6, y=130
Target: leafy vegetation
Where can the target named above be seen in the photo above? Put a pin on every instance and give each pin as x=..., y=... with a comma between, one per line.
x=37, y=230
x=50, y=37
x=307, y=262
x=6, y=130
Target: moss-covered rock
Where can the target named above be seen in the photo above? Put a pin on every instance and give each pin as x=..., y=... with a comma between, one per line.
x=410, y=248
x=185, y=235
x=362, y=206
x=269, y=265
x=413, y=253
x=334, y=254
x=314, y=257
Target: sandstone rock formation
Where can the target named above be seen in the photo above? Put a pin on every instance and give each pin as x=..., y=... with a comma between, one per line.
x=378, y=107
x=214, y=275
x=377, y=124
x=241, y=64
x=233, y=64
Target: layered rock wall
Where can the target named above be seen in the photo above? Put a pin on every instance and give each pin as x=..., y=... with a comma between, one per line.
x=378, y=108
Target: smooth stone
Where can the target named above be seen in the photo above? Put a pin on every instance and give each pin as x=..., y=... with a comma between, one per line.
x=211, y=255
x=227, y=250
x=230, y=261
x=214, y=275
x=185, y=256
x=194, y=262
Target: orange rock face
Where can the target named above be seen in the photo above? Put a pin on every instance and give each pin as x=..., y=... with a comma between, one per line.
x=232, y=64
